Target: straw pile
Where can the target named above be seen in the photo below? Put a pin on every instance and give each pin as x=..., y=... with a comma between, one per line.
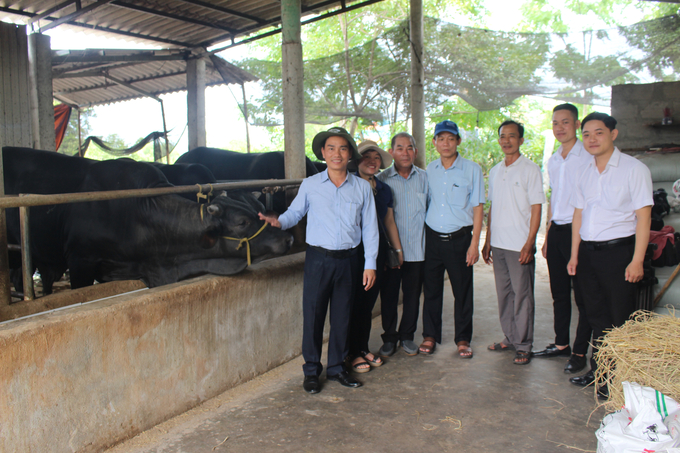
x=646, y=350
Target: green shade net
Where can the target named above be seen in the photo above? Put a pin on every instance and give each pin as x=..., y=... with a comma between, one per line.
x=488, y=69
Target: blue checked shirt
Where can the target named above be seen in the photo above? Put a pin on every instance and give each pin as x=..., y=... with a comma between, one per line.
x=339, y=217
x=453, y=194
x=410, y=206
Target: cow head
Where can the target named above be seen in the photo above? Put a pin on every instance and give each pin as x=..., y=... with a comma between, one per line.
x=240, y=232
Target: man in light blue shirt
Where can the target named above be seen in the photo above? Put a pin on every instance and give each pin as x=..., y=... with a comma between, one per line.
x=340, y=213
x=453, y=227
x=409, y=190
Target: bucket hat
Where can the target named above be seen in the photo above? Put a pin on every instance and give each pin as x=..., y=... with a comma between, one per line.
x=321, y=137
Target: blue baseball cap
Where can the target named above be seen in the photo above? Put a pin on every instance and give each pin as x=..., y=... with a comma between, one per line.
x=446, y=126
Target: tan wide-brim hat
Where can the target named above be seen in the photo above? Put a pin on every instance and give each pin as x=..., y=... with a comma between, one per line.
x=321, y=137
x=370, y=145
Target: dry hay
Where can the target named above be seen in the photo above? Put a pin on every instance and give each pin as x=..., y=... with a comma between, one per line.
x=646, y=350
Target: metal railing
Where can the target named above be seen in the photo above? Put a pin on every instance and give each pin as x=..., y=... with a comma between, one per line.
x=25, y=201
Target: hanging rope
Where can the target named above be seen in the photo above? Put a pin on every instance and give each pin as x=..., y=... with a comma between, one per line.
x=154, y=136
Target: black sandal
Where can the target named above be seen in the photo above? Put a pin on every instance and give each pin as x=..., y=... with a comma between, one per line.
x=376, y=362
x=355, y=366
x=522, y=358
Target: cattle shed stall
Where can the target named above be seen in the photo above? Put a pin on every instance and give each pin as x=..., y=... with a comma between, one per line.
x=86, y=377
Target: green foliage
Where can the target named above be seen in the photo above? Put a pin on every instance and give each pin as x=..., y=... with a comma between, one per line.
x=487, y=69
x=660, y=40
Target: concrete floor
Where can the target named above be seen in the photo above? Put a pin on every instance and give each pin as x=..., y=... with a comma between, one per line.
x=422, y=404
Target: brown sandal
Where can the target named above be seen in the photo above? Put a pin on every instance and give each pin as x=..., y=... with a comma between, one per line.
x=428, y=346
x=464, y=350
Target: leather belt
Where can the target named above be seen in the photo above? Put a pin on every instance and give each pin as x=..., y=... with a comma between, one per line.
x=450, y=236
x=557, y=227
x=606, y=245
x=338, y=254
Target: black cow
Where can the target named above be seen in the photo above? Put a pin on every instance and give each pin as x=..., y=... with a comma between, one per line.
x=159, y=240
x=187, y=175
x=235, y=166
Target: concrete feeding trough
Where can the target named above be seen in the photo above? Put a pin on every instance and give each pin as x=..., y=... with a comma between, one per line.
x=88, y=376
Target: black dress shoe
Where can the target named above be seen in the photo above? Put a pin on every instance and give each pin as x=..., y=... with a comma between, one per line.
x=344, y=378
x=553, y=351
x=575, y=364
x=603, y=393
x=311, y=384
x=584, y=380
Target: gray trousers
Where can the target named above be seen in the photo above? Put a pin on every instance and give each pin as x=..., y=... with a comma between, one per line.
x=515, y=290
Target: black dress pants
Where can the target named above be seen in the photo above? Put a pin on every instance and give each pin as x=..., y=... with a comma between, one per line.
x=410, y=278
x=609, y=299
x=557, y=256
x=326, y=279
x=364, y=301
x=449, y=255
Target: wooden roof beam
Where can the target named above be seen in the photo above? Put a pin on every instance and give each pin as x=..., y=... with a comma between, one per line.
x=178, y=17
x=257, y=20
x=77, y=13
x=128, y=34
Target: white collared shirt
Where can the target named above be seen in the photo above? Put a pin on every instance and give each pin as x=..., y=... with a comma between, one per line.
x=512, y=192
x=564, y=173
x=609, y=199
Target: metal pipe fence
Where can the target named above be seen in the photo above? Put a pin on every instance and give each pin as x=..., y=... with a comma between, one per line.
x=25, y=201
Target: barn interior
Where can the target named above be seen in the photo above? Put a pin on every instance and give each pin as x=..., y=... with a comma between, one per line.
x=111, y=361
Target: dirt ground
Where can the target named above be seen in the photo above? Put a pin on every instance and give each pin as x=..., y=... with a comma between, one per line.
x=423, y=403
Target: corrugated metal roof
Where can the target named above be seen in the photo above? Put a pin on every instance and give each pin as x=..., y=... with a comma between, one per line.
x=171, y=23
x=185, y=28
x=93, y=77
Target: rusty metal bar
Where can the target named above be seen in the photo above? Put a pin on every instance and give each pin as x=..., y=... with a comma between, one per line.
x=26, y=261
x=13, y=201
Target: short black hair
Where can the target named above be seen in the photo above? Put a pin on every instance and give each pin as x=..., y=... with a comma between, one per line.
x=405, y=135
x=570, y=107
x=520, y=127
x=608, y=120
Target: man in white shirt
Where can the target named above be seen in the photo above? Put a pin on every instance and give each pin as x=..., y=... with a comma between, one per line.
x=516, y=195
x=564, y=168
x=610, y=231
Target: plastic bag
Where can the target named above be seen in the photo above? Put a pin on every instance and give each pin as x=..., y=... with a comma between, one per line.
x=642, y=425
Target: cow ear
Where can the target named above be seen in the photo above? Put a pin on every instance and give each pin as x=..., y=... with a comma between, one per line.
x=256, y=194
x=208, y=239
x=214, y=210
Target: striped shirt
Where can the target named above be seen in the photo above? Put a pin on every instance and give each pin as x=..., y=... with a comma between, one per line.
x=410, y=207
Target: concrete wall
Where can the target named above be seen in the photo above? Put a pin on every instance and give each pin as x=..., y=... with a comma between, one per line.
x=86, y=377
x=15, y=106
x=638, y=107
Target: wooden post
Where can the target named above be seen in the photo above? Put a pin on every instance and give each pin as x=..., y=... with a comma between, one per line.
x=417, y=80
x=165, y=132
x=26, y=261
x=196, y=102
x=80, y=136
x=293, y=99
x=245, y=116
x=40, y=77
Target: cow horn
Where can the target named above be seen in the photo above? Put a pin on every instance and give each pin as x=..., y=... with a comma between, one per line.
x=214, y=210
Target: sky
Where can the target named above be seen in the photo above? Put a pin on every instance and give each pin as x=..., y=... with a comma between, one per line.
x=132, y=120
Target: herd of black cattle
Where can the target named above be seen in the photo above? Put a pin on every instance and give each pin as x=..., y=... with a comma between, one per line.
x=159, y=240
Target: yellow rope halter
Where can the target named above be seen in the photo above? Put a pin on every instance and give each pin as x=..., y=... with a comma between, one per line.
x=246, y=240
x=200, y=195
